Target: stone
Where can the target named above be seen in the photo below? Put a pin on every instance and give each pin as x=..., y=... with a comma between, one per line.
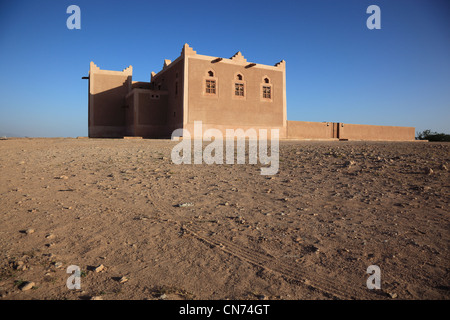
x=96, y=298
x=181, y=205
x=29, y=231
x=20, y=265
x=123, y=279
x=393, y=295
x=428, y=170
x=349, y=163
x=27, y=285
x=99, y=268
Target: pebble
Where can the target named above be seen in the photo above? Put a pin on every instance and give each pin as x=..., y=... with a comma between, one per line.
x=349, y=163
x=99, y=268
x=29, y=231
x=96, y=298
x=27, y=286
x=428, y=170
x=123, y=280
x=181, y=205
x=20, y=265
x=393, y=295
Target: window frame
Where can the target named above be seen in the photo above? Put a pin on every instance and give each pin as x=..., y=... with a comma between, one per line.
x=207, y=79
x=241, y=83
x=264, y=87
x=210, y=84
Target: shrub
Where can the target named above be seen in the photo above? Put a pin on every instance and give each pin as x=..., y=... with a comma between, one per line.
x=433, y=136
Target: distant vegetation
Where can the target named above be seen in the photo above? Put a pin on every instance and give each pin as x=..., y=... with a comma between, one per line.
x=433, y=136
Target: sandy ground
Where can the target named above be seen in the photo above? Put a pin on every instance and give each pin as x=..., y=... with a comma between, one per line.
x=308, y=232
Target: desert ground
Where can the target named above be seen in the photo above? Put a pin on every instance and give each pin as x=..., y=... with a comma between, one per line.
x=141, y=227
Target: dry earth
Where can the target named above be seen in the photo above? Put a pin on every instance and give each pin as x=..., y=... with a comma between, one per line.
x=308, y=232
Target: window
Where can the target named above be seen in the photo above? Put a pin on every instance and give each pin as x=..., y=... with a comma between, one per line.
x=267, y=92
x=266, y=89
x=176, y=88
x=239, y=84
x=211, y=86
x=239, y=89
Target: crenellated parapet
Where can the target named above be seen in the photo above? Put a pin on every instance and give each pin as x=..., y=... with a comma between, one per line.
x=188, y=51
x=281, y=64
x=93, y=67
x=128, y=71
x=167, y=62
x=238, y=57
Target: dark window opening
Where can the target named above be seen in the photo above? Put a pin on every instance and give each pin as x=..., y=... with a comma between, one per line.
x=211, y=86
x=239, y=89
x=210, y=73
x=266, y=80
x=267, y=92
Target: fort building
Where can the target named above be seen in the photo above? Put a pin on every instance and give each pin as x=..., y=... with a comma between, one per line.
x=222, y=93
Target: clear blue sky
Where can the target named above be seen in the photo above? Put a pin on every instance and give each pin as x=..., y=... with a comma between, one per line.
x=337, y=69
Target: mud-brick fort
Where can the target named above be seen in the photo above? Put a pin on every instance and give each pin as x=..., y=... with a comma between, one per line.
x=222, y=93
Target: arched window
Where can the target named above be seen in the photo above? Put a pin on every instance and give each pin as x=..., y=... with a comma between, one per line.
x=266, y=89
x=210, y=83
x=239, y=86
